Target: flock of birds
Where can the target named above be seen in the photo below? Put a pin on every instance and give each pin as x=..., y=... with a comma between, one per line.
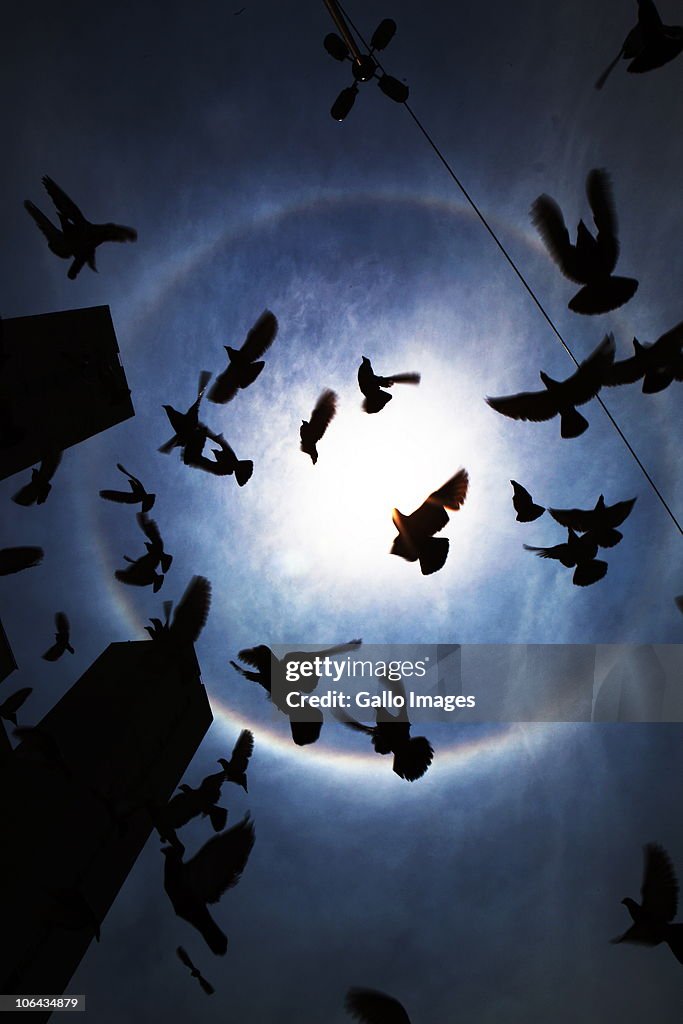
x=195, y=884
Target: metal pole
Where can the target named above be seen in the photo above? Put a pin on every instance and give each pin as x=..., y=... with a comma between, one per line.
x=338, y=19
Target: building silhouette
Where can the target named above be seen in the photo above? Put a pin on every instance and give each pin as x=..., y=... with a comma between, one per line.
x=61, y=381
x=77, y=799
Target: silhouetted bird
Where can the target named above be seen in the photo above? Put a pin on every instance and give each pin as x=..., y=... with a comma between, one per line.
x=560, y=398
x=187, y=804
x=658, y=364
x=78, y=238
x=195, y=972
x=577, y=553
x=371, y=385
x=141, y=572
x=679, y=603
x=235, y=770
x=372, y=1007
x=649, y=45
x=35, y=492
x=9, y=707
x=321, y=417
x=224, y=462
x=186, y=424
x=592, y=260
x=15, y=559
x=659, y=891
x=154, y=543
x=601, y=520
x=61, y=643
x=243, y=368
x=305, y=724
x=523, y=504
x=416, y=540
x=137, y=493
x=391, y=735
x=190, y=615
x=216, y=868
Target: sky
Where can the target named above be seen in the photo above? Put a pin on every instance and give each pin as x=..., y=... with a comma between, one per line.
x=488, y=890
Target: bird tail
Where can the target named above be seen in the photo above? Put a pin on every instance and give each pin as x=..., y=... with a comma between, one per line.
x=589, y=572
x=243, y=471
x=572, y=423
x=376, y=402
x=70, y=649
x=166, y=561
x=218, y=817
x=158, y=581
x=433, y=555
x=413, y=760
x=304, y=733
x=604, y=296
x=405, y=378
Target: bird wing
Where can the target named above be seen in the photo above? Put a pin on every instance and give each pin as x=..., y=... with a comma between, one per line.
x=599, y=192
x=520, y=492
x=150, y=529
x=242, y=751
x=431, y=516
x=614, y=515
x=372, y=1007
x=400, y=378
x=660, y=887
x=536, y=406
x=26, y=495
x=121, y=497
x=323, y=414
x=116, y=233
x=14, y=701
x=63, y=203
x=184, y=958
x=585, y=383
x=16, y=559
x=559, y=551
x=219, y=864
x=260, y=657
x=669, y=346
x=453, y=493
x=193, y=610
x=52, y=233
x=549, y=222
x=225, y=386
x=260, y=337
x=625, y=371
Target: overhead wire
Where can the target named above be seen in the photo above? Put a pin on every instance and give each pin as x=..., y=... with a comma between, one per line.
x=510, y=260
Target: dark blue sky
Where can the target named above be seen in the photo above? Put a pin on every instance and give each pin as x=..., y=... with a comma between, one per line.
x=487, y=890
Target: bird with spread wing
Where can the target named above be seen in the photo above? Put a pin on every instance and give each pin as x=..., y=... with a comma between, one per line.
x=76, y=238
x=311, y=431
x=35, y=492
x=560, y=398
x=371, y=385
x=193, y=885
x=245, y=363
x=659, y=892
x=591, y=261
x=416, y=541
x=649, y=45
x=62, y=639
x=658, y=364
